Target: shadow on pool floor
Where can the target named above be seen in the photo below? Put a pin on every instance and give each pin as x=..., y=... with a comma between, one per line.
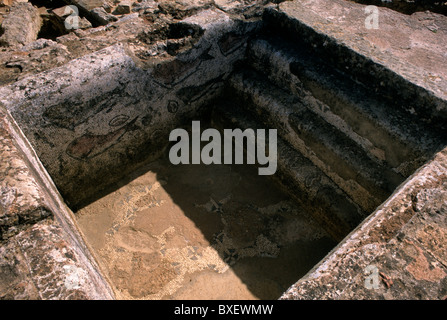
x=201, y=232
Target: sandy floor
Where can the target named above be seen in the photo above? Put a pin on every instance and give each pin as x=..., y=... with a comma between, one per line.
x=201, y=232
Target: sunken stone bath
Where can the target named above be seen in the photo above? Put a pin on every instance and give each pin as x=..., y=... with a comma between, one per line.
x=92, y=207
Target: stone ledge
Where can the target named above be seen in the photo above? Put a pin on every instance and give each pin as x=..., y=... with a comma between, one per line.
x=405, y=237
x=21, y=200
x=399, y=239
x=403, y=52
x=40, y=257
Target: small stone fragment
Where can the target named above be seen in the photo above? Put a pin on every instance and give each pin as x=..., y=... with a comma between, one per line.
x=84, y=24
x=122, y=8
x=102, y=16
x=90, y=4
x=62, y=12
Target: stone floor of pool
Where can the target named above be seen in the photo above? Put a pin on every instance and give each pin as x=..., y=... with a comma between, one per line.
x=201, y=232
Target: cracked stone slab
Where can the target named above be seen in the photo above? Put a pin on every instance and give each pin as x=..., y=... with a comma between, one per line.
x=38, y=263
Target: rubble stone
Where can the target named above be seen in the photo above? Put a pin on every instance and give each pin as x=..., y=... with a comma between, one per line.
x=84, y=23
x=122, y=8
x=21, y=26
x=62, y=12
x=6, y=3
x=90, y=4
x=102, y=15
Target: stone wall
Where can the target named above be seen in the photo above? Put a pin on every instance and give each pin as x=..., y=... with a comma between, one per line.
x=42, y=255
x=141, y=101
